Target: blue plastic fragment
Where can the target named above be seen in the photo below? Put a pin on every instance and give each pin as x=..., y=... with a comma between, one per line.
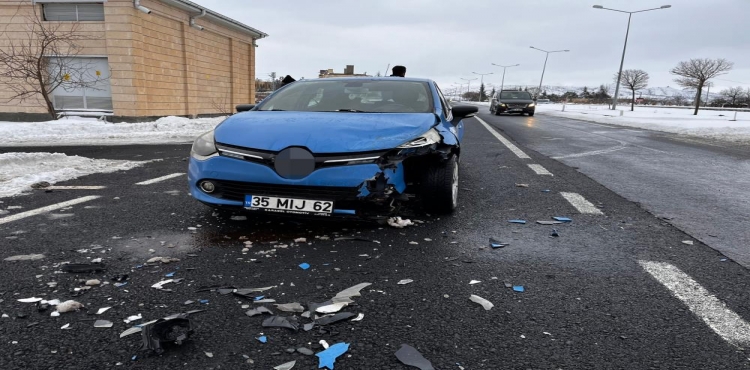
x=138, y=266
x=304, y=265
x=134, y=358
x=170, y=274
x=522, y=222
x=121, y=284
x=258, y=298
x=545, y=191
x=328, y=357
x=204, y=301
x=562, y=219
x=518, y=288
x=263, y=339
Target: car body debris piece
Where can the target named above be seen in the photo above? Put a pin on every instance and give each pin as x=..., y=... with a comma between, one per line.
x=162, y=260
x=103, y=310
x=267, y=300
x=65, y=327
x=359, y=317
x=290, y=307
x=554, y=233
x=562, y=219
x=474, y=282
x=300, y=240
x=518, y=288
x=262, y=339
x=133, y=330
x=93, y=282
x=304, y=265
x=173, y=329
x=405, y=281
x=69, y=306
x=483, y=302
x=103, y=324
x=399, y=223
x=82, y=268
x=687, y=242
x=543, y=222
x=31, y=300
x=281, y=322
x=522, y=185
x=25, y=257
x=327, y=320
x=305, y=351
x=409, y=356
x=308, y=326
x=328, y=357
x=331, y=308
x=520, y=222
x=495, y=244
x=351, y=292
x=133, y=318
x=286, y=366
x=258, y=311
x=248, y=292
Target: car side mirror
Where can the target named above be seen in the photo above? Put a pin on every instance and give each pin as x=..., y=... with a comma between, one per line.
x=244, y=107
x=463, y=111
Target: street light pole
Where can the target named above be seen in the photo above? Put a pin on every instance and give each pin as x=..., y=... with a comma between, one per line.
x=482, y=82
x=545, y=63
x=468, y=83
x=502, y=84
x=458, y=91
x=627, y=33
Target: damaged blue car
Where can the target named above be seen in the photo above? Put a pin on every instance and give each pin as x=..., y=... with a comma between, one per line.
x=336, y=146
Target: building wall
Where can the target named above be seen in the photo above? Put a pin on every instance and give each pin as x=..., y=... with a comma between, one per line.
x=159, y=64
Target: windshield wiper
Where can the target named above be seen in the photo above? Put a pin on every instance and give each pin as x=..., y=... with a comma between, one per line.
x=352, y=111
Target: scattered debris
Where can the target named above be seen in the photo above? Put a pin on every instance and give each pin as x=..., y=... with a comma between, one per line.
x=405, y=281
x=65, y=327
x=290, y=307
x=281, y=322
x=247, y=292
x=209, y=354
x=474, y=282
x=327, y=320
x=305, y=351
x=267, y=300
x=300, y=240
x=239, y=218
x=495, y=244
x=68, y=306
x=485, y=303
x=409, y=356
x=103, y=310
x=688, y=242
x=163, y=260
x=286, y=366
x=522, y=185
x=103, y=324
x=160, y=285
x=562, y=219
x=258, y=311
x=82, y=268
x=133, y=318
x=262, y=339
x=521, y=222
x=93, y=282
x=414, y=243
x=25, y=257
x=173, y=329
x=399, y=223
x=30, y=300
x=328, y=357
x=333, y=307
x=555, y=233
x=324, y=344
x=304, y=265
x=121, y=278
x=518, y=288
x=549, y=222
x=351, y=292
x=359, y=317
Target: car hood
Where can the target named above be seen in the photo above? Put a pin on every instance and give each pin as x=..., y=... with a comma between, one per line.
x=322, y=132
x=515, y=101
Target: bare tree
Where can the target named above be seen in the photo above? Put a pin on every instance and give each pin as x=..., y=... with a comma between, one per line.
x=733, y=93
x=695, y=72
x=44, y=59
x=633, y=79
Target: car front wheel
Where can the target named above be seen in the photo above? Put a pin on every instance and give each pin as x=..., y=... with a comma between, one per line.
x=441, y=187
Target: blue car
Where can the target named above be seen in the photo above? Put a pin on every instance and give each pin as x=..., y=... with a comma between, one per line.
x=335, y=146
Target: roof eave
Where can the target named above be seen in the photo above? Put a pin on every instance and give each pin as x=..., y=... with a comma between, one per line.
x=217, y=18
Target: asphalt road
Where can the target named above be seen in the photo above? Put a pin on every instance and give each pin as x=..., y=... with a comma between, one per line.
x=616, y=289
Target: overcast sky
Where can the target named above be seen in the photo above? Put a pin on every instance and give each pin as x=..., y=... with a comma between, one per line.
x=448, y=40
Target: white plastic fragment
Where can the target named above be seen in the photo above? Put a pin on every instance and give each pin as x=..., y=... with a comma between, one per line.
x=30, y=300
x=331, y=308
x=359, y=317
x=688, y=242
x=54, y=314
x=209, y=354
x=93, y=282
x=485, y=303
x=65, y=327
x=405, y=281
x=103, y=324
x=290, y=307
x=414, y=243
x=53, y=302
x=474, y=282
x=103, y=310
x=399, y=223
x=69, y=306
x=160, y=285
x=97, y=260
x=300, y=240
x=25, y=257
x=133, y=318
x=286, y=366
x=351, y=292
x=163, y=260
x=324, y=344
x=130, y=331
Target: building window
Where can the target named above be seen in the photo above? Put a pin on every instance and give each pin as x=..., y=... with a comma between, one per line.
x=75, y=12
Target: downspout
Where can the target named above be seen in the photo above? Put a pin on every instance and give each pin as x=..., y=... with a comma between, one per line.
x=137, y=5
x=193, y=18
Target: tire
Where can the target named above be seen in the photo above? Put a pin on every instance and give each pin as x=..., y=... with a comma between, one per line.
x=440, y=187
x=497, y=112
x=531, y=114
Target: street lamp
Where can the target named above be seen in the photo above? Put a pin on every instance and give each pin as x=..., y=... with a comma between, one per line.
x=545, y=63
x=468, y=83
x=504, y=67
x=481, y=81
x=622, y=60
x=458, y=91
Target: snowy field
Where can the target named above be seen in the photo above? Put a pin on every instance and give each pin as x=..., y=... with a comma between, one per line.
x=89, y=131
x=714, y=124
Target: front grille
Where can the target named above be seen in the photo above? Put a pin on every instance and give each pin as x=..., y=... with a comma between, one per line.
x=516, y=105
x=236, y=190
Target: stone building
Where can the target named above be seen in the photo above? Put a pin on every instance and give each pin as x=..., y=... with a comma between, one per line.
x=159, y=57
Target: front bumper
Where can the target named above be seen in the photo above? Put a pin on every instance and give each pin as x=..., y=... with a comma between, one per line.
x=354, y=189
x=513, y=108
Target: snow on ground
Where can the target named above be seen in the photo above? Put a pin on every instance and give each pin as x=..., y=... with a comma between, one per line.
x=714, y=124
x=18, y=171
x=90, y=131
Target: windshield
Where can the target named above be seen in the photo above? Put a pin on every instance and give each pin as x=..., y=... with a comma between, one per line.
x=515, y=95
x=355, y=95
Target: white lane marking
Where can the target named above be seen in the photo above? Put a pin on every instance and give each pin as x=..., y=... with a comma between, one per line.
x=703, y=304
x=74, y=188
x=594, y=152
x=581, y=204
x=506, y=142
x=540, y=170
x=46, y=209
x=159, y=179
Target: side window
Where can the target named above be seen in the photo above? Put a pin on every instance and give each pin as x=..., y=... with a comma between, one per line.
x=73, y=12
x=444, y=103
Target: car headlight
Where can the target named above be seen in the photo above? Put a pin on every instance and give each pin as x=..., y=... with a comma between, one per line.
x=428, y=138
x=204, y=146
x=502, y=104
x=532, y=105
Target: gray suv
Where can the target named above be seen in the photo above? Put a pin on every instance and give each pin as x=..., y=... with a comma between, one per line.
x=512, y=101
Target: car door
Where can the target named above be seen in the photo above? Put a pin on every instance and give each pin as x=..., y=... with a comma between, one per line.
x=457, y=130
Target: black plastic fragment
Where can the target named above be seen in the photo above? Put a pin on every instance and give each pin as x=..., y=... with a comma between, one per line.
x=281, y=322
x=82, y=268
x=355, y=238
x=335, y=318
x=554, y=233
x=121, y=278
x=411, y=357
x=174, y=329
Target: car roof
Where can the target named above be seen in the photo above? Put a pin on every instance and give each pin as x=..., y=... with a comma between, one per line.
x=388, y=78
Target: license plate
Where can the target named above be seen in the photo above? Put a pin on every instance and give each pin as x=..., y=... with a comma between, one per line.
x=288, y=205
x=516, y=110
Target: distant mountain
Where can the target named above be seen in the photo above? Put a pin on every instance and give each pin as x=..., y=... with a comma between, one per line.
x=657, y=93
